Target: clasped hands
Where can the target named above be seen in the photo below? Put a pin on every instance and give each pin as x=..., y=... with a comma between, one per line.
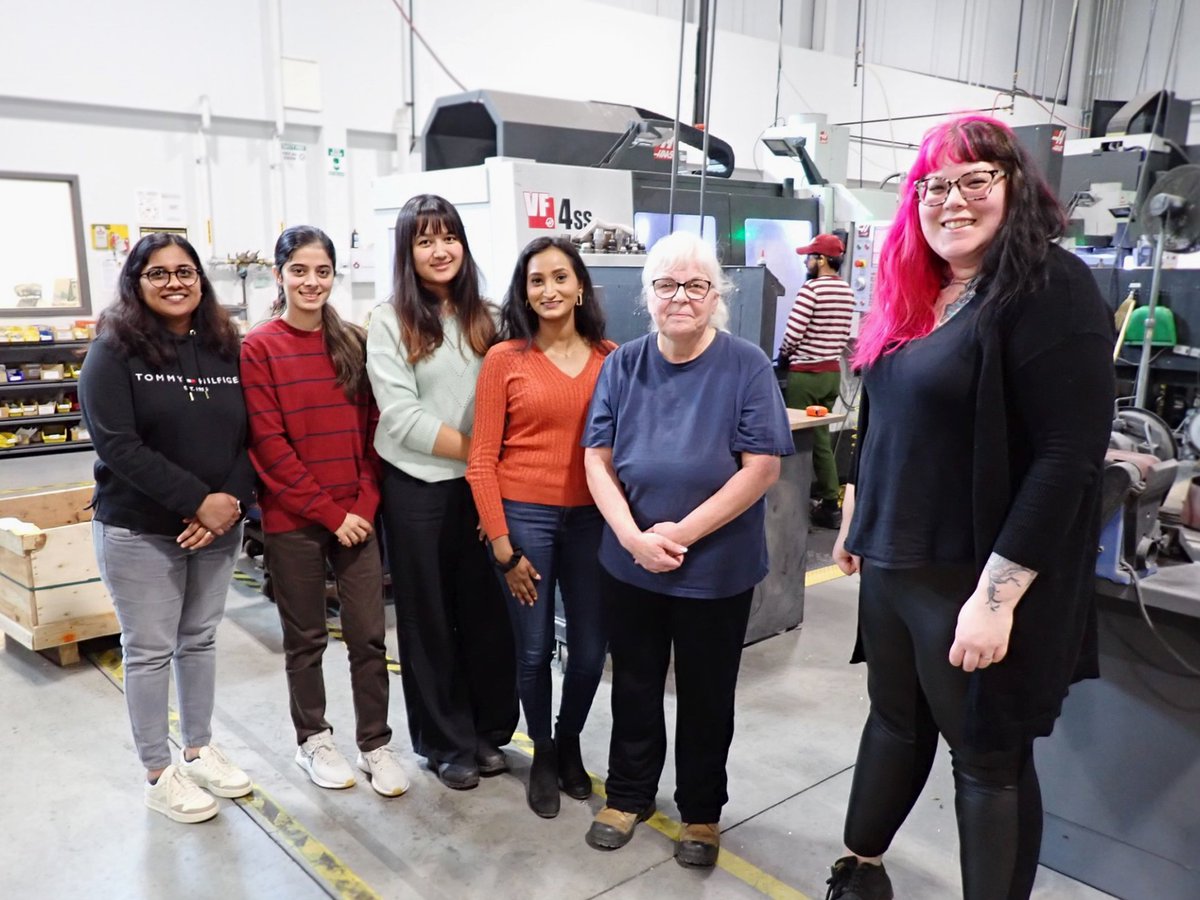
x=215, y=516
x=660, y=548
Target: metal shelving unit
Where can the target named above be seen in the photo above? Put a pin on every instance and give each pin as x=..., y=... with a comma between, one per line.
x=44, y=352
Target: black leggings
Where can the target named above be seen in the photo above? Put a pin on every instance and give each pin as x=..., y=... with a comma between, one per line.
x=907, y=619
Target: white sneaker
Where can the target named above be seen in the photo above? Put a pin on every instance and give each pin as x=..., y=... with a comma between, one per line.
x=213, y=771
x=324, y=764
x=386, y=774
x=179, y=798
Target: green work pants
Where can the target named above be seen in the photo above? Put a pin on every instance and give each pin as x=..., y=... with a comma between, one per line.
x=818, y=389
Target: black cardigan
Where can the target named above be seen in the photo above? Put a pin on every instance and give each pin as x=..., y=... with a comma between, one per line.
x=1043, y=414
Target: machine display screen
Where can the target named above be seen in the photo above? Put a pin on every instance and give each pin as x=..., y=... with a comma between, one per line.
x=650, y=226
x=773, y=243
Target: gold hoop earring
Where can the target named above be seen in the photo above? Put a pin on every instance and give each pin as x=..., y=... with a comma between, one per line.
x=579, y=299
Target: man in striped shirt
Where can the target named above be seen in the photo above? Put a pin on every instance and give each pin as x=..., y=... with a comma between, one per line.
x=818, y=329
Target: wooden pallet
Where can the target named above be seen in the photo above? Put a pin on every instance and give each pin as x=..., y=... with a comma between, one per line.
x=51, y=596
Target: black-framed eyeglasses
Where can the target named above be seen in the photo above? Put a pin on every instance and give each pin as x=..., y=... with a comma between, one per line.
x=973, y=185
x=693, y=289
x=160, y=277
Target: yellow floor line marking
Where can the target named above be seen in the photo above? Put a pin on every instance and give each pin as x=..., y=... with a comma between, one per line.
x=739, y=868
x=819, y=576
x=293, y=838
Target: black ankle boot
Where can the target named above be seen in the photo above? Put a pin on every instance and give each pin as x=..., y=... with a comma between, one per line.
x=572, y=776
x=542, y=790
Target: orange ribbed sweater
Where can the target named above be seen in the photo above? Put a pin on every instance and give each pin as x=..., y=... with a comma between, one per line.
x=529, y=418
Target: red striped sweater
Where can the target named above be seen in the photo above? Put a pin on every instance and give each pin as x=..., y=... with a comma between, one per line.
x=312, y=447
x=818, y=326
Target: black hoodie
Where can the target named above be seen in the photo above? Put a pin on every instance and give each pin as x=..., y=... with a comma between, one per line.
x=165, y=437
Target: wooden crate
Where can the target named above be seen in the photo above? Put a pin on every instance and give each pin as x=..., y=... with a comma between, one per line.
x=51, y=595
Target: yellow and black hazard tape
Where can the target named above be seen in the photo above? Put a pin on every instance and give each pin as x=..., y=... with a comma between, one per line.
x=321, y=863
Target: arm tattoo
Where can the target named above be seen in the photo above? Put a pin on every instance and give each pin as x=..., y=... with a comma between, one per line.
x=1005, y=578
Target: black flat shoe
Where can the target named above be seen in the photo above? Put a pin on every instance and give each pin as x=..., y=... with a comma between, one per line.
x=490, y=760
x=455, y=776
x=542, y=791
x=573, y=778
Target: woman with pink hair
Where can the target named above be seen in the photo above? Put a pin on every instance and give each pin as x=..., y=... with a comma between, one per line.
x=973, y=510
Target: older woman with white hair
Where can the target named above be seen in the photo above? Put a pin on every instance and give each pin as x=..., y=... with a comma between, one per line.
x=684, y=437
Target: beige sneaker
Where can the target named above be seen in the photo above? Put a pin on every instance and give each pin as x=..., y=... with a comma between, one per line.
x=213, y=771
x=386, y=775
x=325, y=765
x=179, y=799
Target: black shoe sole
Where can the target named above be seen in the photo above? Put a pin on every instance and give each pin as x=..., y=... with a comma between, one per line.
x=699, y=862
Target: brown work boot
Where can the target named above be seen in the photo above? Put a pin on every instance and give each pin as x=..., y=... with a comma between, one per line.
x=612, y=829
x=698, y=845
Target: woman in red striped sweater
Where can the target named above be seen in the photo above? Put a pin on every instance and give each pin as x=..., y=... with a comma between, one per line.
x=526, y=473
x=311, y=420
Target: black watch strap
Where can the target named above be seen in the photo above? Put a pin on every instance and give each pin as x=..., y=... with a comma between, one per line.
x=517, y=556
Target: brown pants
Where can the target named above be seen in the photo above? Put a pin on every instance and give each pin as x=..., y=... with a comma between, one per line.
x=297, y=565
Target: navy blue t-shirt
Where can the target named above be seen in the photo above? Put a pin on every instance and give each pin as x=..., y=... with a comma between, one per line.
x=677, y=432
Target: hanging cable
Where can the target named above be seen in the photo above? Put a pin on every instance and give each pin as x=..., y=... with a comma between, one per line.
x=1146, y=53
x=711, y=46
x=425, y=44
x=779, y=61
x=1070, y=43
x=678, y=108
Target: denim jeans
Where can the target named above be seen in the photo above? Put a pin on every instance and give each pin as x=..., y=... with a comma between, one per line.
x=169, y=602
x=563, y=544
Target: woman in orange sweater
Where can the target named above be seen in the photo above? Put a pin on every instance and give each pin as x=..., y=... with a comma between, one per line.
x=526, y=472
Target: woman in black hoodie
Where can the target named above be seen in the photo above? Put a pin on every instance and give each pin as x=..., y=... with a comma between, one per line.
x=161, y=397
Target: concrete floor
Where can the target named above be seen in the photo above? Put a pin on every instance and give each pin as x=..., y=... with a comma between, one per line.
x=84, y=828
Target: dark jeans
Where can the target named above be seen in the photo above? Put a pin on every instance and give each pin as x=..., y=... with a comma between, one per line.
x=818, y=389
x=297, y=568
x=456, y=648
x=907, y=618
x=707, y=637
x=562, y=543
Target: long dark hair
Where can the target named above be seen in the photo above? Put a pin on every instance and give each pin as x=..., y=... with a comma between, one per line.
x=345, y=342
x=518, y=319
x=139, y=331
x=417, y=308
x=911, y=274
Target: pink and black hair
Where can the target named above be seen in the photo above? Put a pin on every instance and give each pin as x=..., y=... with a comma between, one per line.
x=911, y=274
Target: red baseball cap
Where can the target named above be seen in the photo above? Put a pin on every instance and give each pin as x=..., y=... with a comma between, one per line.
x=825, y=244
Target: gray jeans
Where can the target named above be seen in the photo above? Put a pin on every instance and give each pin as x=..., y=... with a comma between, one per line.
x=169, y=602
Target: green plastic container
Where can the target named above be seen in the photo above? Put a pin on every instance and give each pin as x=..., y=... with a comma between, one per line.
x=1164, y=327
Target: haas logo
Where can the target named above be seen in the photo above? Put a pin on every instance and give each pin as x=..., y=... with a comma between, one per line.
x=1057, y=140
x=540, y=209
x=543, y=211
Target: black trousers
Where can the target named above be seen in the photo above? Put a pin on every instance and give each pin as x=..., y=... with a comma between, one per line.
x=458, y=665
x=707, y=637
x=297, y=570
x=907, y=618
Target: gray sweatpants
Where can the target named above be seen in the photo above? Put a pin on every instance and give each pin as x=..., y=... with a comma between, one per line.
x=169, y=602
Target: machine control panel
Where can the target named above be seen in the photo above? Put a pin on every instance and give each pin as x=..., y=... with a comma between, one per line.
x=865, y=247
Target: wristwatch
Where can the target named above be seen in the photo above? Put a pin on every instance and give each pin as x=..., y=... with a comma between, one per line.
x=505, y=568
